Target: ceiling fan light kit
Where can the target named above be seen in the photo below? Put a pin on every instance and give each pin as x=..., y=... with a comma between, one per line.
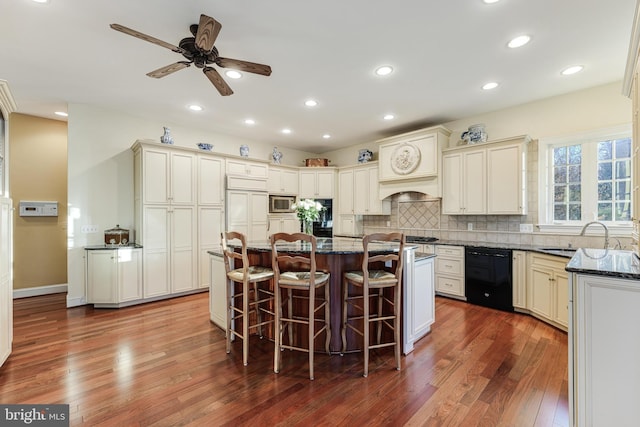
x=200, y=51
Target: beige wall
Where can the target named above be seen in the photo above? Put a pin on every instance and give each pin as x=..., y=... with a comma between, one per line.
x=38, y=171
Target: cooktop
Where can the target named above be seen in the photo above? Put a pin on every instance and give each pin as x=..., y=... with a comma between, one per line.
x=420, y=239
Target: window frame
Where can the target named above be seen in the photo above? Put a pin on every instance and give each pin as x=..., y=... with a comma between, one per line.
x=546, y=223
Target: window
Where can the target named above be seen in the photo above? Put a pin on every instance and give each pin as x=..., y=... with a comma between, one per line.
x=587, y=178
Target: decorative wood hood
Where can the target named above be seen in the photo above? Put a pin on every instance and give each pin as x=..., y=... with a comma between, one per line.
x=411, y=162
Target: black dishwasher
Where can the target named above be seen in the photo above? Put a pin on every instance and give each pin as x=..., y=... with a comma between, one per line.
x=488, y=277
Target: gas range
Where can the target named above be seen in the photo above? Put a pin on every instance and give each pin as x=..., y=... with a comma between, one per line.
x=420, y=239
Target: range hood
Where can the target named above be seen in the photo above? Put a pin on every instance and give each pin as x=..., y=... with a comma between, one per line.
x=411, y=162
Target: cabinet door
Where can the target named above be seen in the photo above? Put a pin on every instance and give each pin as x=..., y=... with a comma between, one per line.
x=183, y=249
x=325, y=184
x=291, y=225
x=346, y=193
x=238, y=211
x=361, y=194
x=541, y=292
x=6, y=286
x=217, y=291
x=423, y=301
x=102, y=277
x=376, y=206
x=156, y=271
x=210, y=225
x=474, y=183
x=155, y=176
x=561, y=282
x=505, y=180
x=129, y=274
x=210, y=180
x=258, y=216
x=519, y=279
x=307, y=180
x=452, y=191
x=182, y=179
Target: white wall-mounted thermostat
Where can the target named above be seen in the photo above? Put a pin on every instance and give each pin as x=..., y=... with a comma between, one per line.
x=31, y=208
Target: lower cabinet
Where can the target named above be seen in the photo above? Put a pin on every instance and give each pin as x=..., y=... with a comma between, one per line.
x=519, y=280
x=284, y=223
x=218, y=291
x=114, y=276
x=548, y=289
x=418, y=299
x=449, y=269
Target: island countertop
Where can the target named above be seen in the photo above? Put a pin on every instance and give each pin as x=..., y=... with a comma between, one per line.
x=605, y=262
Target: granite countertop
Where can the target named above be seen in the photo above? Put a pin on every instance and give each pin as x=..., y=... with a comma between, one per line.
x=602, y=262
x=105, y=247
x=325, y=246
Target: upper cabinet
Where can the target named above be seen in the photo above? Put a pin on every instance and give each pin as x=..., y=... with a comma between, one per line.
x=210, y=180
x=283, y=180
x=247, y=175
x=317, y=183
x=410, y=162
x=485, y=179
x=169, y=176
x=359, y=191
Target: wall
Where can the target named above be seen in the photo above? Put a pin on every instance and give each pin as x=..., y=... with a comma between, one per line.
x=38, y=171
x=100, y=174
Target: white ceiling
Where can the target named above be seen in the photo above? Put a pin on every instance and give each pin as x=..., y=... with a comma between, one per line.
x=443, y=52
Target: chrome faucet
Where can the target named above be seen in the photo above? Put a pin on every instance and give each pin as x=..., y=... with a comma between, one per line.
x=606, y=231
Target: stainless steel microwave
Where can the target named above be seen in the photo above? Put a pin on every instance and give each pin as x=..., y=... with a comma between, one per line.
x=281, y=204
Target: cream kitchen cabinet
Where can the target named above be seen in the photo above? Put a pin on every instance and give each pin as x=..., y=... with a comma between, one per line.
x=464, y=183
x=248, y=168
x=317, y=183
x=283, y=181
x=548, y=289
x=519, y=280
x=165, y=211
x=217, y=290
x=487, y=178
x=418, y=298
x=283, y=223
x=247, y=213
x=114, y=276
x=449, y=270
x=211, y=174
x=359, y=191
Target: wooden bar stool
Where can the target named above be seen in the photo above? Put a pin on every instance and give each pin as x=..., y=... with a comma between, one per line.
x=300, y=279
x=372, y=282
x=247, y=274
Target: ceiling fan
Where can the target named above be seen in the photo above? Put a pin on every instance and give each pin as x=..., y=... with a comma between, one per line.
x=200, y=51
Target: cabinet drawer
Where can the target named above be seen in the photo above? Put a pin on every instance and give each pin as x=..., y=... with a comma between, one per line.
x=450, y=285
x=450, y=266
x=451, y=251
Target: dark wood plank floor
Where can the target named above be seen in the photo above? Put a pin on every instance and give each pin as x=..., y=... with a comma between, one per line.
x=164, y=364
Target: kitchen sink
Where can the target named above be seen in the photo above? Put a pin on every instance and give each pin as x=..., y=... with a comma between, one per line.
x=567, y=252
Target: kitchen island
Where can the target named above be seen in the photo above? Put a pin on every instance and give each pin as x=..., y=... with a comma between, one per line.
x=335, y=256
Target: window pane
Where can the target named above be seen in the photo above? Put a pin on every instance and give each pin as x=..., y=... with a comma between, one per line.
x=574, y=173
x=560, y=212
x=560, y=156
x=605, y=150
x=575, y=154
x=560, y=175
x=560, y=193
x=575, y=194
x=605, y=191
x=623, y=190
x=623, y=169
x=604, y=211
x=604, y=171
x=623, y=211
x=623, y=148
x=575, y=212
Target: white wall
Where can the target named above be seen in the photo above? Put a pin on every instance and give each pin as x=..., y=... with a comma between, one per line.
x=100, y=175
x=575, y=112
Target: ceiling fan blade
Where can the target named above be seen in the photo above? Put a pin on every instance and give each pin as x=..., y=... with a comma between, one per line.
x=208, y=30
x=165, y=71
x=249, y=67
x=217, y=81
x=145, y=37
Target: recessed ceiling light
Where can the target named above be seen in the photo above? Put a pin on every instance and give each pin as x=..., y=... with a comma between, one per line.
x=194, y=107
x=61, y=113
x=41, y=1
x=310, y=102
x=389, y=117
x=233, y=74
x=572, y=70
x=250, y=122
x=490, y=1
x=384, y=70
x=286, y=131
x=519, y=41
x=326, y=136
x=489, y=86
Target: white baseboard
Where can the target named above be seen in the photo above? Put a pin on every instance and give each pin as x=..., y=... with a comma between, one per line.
x=76, y=302
x=39, y=290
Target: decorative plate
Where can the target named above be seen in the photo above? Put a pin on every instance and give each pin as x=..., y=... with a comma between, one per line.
x=405, y=158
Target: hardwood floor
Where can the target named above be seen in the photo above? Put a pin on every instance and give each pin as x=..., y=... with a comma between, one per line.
x=164, y=364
